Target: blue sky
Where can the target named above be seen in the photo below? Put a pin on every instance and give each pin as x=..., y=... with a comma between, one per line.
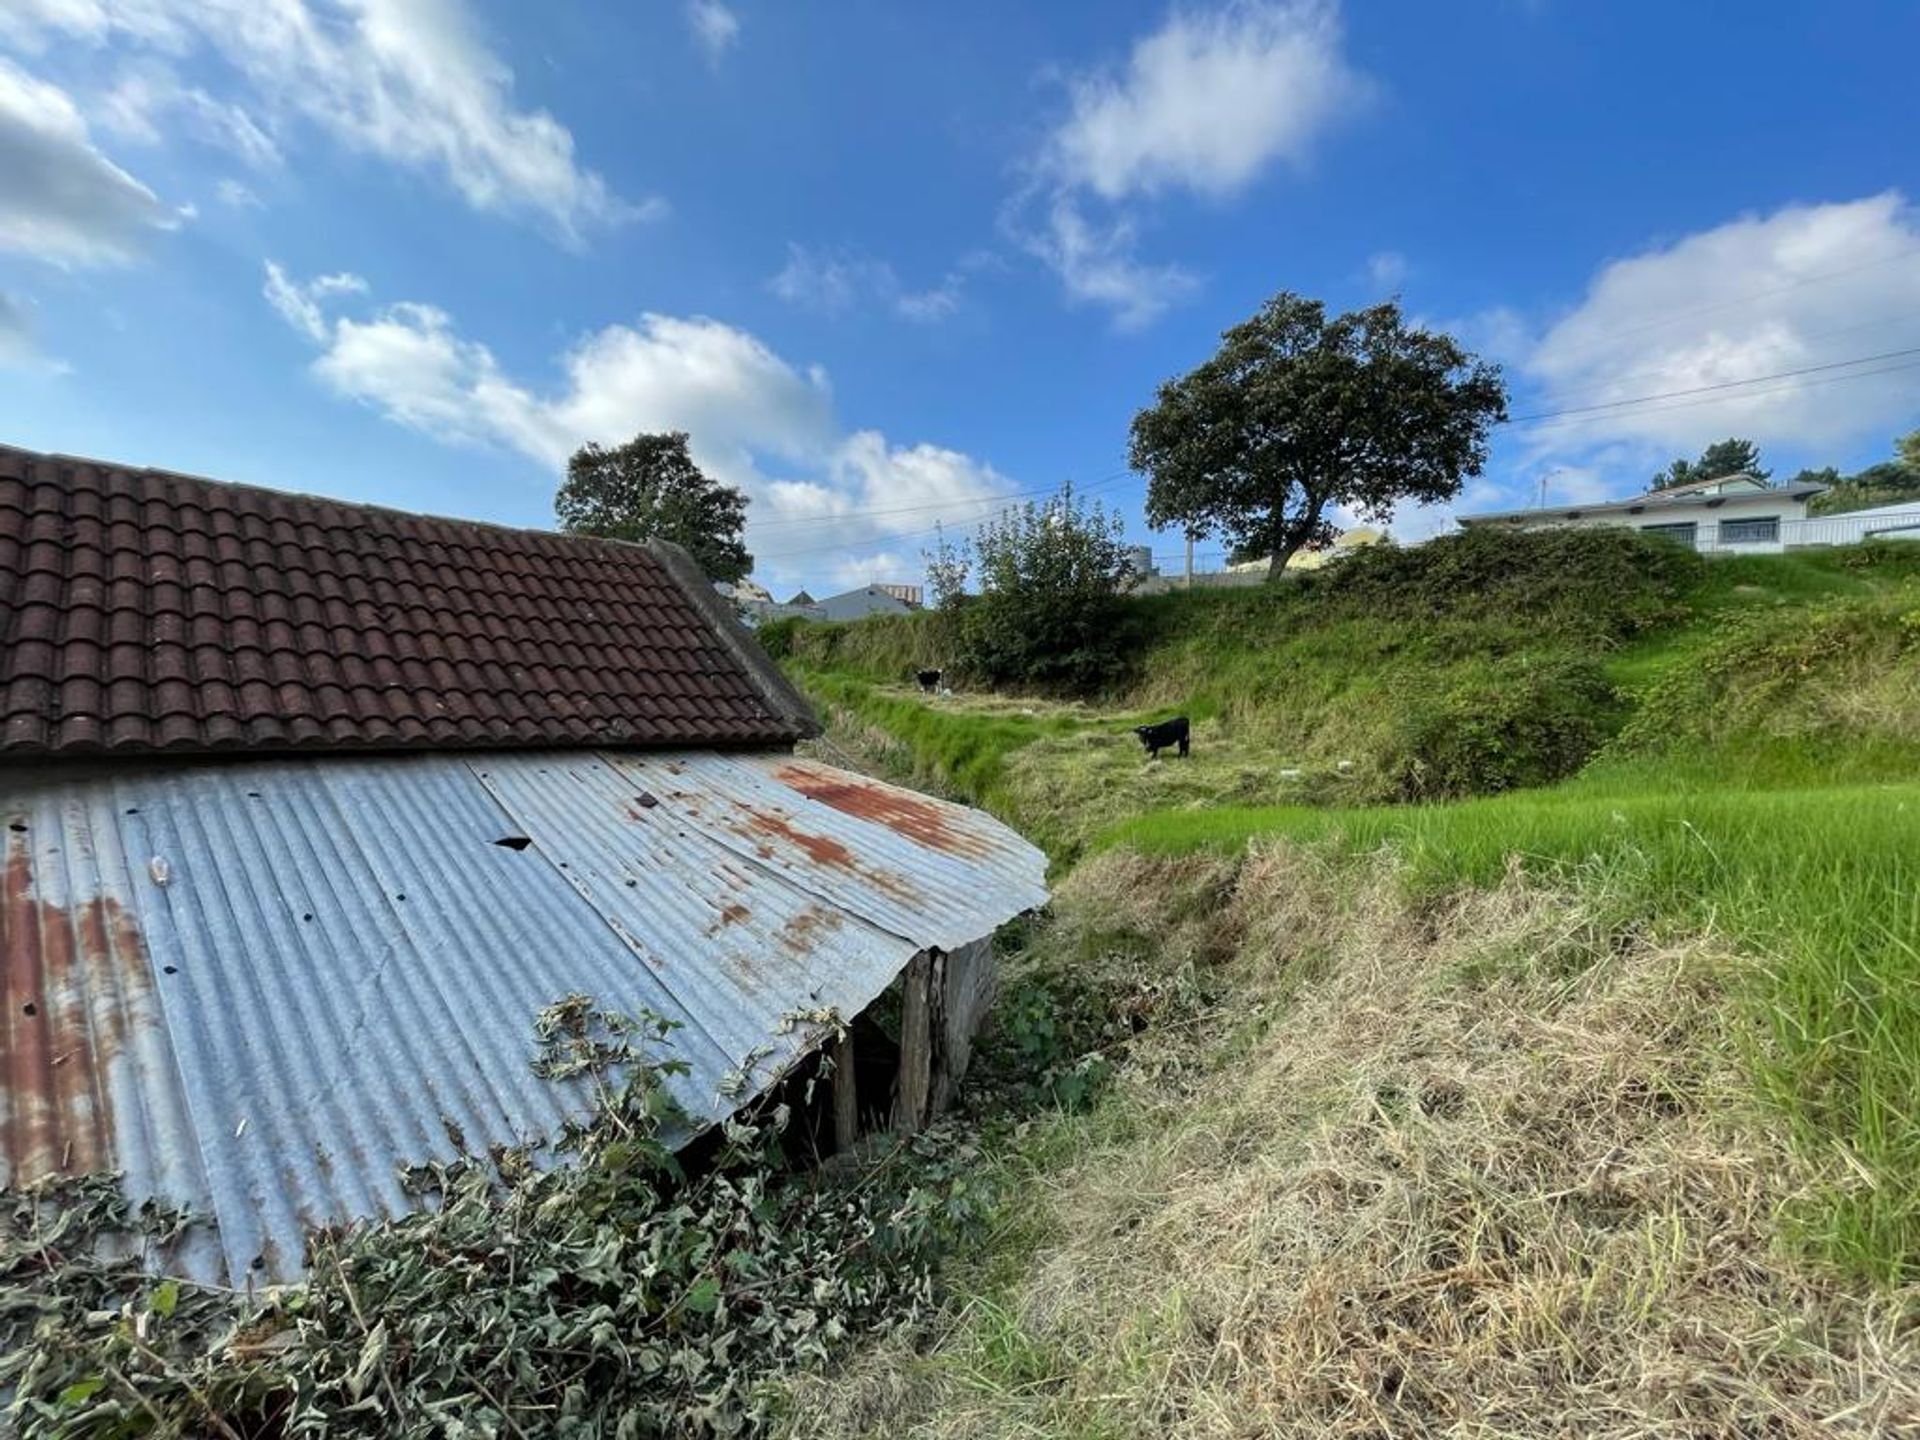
x=891, y=263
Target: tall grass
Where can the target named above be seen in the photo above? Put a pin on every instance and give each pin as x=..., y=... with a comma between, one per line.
x=1821, y=885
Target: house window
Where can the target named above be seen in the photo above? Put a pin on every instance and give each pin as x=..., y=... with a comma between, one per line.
x=1680, y=534
x=1750, y=532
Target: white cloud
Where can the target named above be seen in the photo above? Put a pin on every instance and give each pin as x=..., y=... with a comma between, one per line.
x=1208, y=101
x=408, y=81
x=714, y=27
x=61, y=199
x=1205, y=104
x=754, y=419
x=1096, y=264
x=300, y=304
x=1386, y=270
x=1805, y=286
x=832, y=282
x=150, y=99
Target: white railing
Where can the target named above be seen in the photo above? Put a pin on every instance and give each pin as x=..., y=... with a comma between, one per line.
x=1735, y=536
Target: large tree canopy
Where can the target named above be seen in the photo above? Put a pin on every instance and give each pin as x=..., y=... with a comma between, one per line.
x=650, y=487
x=1298, y=413
x=1716, y=462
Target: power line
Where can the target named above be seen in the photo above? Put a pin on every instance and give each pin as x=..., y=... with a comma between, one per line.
x=1613, y=405
x=1790, y=286
x=1787, y=388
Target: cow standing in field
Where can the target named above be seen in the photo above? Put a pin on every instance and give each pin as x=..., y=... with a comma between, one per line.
x=1168, y=732
x=929, y=680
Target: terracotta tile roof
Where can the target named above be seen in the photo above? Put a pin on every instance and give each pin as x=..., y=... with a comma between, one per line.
x=144, y=611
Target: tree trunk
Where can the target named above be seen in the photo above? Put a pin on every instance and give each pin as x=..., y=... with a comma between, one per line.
x=1280, y=558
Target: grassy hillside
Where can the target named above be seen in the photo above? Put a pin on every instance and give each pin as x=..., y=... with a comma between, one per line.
x=1466, y=668
x=1509, y=1018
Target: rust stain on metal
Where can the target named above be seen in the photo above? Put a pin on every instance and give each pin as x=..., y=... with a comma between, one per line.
x=733, y=914
x=901, y=811
x=821, y=849
x=804, y=931
x=69, y=979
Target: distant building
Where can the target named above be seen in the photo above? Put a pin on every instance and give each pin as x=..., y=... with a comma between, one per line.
x=1738, y=513
x=870, y=600
x=801, y=597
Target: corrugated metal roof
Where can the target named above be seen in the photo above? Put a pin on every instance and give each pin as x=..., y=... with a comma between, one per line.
x=258, y=988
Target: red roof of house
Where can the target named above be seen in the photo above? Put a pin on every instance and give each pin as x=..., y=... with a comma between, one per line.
x=147, y=611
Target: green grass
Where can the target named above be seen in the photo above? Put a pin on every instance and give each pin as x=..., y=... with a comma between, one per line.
x=1732, y=751
x=1819, y=882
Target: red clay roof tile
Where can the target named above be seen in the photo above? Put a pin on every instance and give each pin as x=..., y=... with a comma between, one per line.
x=145, y=611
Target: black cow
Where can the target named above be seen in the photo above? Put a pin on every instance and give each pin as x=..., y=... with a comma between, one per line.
x=929, y=680
x=1168, y=732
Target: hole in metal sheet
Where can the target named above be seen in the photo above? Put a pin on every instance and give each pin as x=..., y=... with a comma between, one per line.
x=29, y=1009
x=307, y=916
x=19, y=827
x=133, y=810
x=514, y=842
x=646, y=800
x=170, y=969
x=399, y=897
x=253, y=794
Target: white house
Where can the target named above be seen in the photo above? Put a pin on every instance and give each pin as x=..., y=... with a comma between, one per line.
x=1736, y=513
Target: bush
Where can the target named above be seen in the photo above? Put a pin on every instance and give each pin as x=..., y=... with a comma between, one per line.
x=1613, y=582
x=1516, y=723
x=1050, y=610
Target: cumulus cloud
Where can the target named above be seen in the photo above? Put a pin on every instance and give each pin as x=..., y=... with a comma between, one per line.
x=714, y=27
x=755, y=420
x=832, y=282
x=1806, y=286
x=1208, y=101
x=61, y=199
x=408, y=81
x=1205, y=104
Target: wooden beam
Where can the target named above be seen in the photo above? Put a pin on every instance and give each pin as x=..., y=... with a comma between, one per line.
x=916, y=1044
x=846, y=1101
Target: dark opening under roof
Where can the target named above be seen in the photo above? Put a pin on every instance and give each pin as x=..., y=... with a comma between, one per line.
x=145, y=611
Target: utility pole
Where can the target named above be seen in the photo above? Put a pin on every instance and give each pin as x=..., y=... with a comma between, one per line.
x=1189, y=559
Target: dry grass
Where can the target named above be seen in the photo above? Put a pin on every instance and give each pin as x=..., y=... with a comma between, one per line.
x=1495, y=1171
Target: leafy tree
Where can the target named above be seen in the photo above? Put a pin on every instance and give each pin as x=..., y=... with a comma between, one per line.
x=948, y=565
x=1907, y=447
x=1052, y=575
x=1716, y=462
x=1884, y=484
x=1298, y=413
x=650, y=487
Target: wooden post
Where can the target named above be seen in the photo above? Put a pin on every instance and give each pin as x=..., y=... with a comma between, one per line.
x=916, y=1044
x=846, y=1103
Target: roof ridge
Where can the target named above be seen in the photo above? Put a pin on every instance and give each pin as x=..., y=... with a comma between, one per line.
x=158, y=472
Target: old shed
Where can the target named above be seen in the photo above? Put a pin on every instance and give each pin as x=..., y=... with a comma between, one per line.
x=310, y=807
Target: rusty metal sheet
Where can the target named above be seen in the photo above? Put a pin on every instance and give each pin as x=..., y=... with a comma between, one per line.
x=926, y=869
x=258, y=988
